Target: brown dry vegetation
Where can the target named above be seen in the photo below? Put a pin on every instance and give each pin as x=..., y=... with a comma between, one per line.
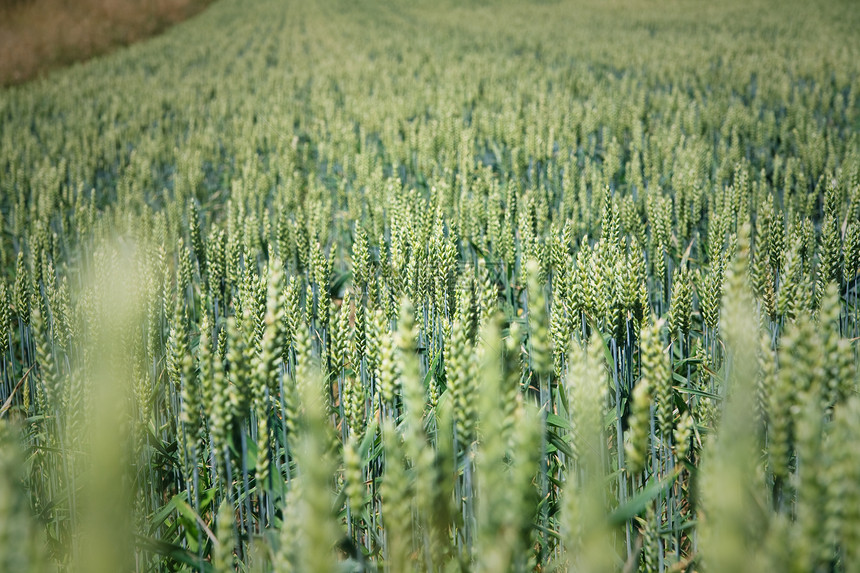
x=39, y=35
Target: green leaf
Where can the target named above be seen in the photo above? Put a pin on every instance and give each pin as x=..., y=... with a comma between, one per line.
x=164, y=512
x=694, y=391
x=367, y=441
x=607, y=353
x=637, y=504
x=558, y=422
x=559, y=443
x=184, y=509
x=174, y=552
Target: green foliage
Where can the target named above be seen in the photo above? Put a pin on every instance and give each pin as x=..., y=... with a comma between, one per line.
x=385, y=286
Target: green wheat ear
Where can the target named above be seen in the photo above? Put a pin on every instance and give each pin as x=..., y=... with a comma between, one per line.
x=22, y=292
x=656, y=374
x=637, y=439
x=461, y=383
x=353, y=474
x=396, y=506
x=730, y=483
x=223, y=557
x=681, y=304
x=316, y=468
x=587, y=534
x=540, y=345
x=5, y=318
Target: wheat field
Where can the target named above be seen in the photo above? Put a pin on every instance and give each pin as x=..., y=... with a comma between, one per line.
x=457, y=286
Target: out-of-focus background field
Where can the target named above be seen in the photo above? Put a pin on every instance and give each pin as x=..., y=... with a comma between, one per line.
x=447, y=286
x=39, y=35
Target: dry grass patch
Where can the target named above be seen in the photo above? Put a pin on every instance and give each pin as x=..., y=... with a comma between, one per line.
x=39, y=35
